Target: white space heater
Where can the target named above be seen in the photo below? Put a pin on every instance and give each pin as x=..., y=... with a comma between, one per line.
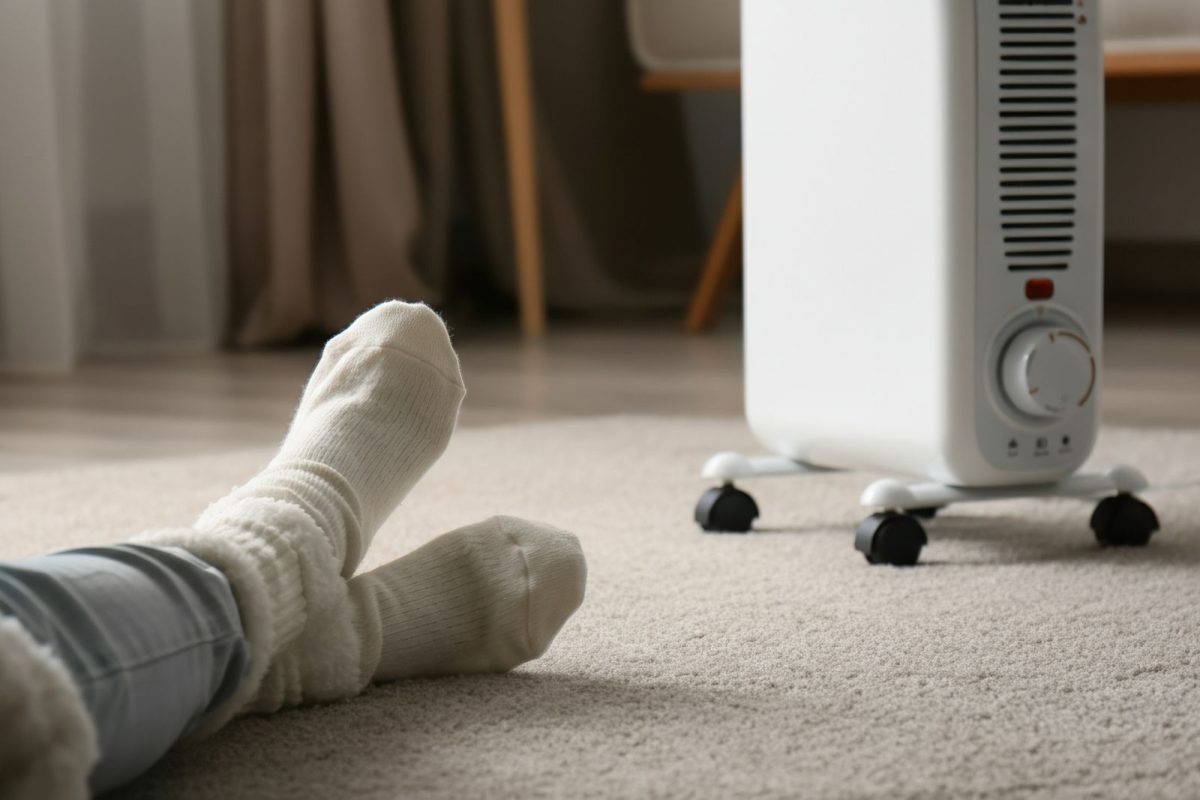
x=923, y=253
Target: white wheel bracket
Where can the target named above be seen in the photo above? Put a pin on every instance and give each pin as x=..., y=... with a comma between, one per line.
x=891, y=493
x=728, y=467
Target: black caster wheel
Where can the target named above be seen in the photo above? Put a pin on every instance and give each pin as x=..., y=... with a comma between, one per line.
x=924, y=513
x=1123, y=521
x=890, y=538
x=726, y=509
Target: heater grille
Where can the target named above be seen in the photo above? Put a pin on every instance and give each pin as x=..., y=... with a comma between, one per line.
x=1038, y=115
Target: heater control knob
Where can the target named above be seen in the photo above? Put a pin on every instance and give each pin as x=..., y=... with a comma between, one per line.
x=1048, y=371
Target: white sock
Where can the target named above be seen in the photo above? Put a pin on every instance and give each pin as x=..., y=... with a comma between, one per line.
x=484, y=598
x=376, y=413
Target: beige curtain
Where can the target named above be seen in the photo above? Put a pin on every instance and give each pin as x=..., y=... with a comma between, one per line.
x=361, y=130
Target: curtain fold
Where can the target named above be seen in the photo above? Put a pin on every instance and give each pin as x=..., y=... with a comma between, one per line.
x=325, y=204
x=367, y=134
x=112, y=233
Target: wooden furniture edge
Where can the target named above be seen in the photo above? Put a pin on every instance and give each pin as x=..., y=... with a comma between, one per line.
x=516, y=96
x=1133, y=65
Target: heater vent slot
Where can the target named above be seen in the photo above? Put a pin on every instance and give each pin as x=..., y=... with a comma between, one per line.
x=1037, y=143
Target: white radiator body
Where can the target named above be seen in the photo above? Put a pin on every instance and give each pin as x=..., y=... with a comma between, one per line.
x=915, y=173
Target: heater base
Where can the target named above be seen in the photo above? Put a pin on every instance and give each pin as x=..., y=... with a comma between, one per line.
x=894, y=534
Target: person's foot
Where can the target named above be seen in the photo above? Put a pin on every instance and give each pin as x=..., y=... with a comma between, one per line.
x=376, y=413
x=484, y=598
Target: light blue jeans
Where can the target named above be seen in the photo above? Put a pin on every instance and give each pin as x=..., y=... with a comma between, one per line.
x=152, y=636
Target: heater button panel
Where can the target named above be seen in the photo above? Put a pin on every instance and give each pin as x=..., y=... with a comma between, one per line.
x=1038, y=233
x=1039, y=376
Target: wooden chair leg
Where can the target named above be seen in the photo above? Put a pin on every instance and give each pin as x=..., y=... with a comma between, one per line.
x=720, y=265
x=512, y=53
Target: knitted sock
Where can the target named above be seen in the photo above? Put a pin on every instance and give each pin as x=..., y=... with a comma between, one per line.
x=484, y=598
x=376, y=413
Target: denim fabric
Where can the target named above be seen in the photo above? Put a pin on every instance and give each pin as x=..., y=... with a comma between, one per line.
x=151, y=636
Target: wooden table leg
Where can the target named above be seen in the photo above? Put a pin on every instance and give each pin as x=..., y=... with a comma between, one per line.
x=512, y=55
x=720, y=265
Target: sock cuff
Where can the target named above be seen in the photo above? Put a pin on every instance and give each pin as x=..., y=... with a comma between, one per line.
x=320, y=491
x=278, y=563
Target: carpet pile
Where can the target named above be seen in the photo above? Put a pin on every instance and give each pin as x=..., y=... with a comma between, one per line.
x=1019, y=660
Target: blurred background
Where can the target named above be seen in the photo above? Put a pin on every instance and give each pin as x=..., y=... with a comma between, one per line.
x=195, y=193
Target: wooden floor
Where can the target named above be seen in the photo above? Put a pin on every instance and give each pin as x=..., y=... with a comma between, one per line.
x=160, y=406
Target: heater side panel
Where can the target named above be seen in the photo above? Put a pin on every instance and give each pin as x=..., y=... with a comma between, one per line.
x=858, y=119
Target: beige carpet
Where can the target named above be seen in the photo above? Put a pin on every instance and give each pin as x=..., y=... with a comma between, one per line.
x=1019, y=661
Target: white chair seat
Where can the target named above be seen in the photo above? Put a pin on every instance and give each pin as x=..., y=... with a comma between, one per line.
x=703, y=35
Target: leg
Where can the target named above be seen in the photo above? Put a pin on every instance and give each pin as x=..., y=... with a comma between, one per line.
x=516, y=93
x=376, y=413
x=150, y=637
x=720, y=265
x=484, y=598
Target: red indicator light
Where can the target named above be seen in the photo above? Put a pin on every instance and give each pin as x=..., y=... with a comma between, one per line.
x=1039, y=289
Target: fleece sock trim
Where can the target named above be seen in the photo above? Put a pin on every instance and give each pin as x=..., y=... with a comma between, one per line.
x=50, y=740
